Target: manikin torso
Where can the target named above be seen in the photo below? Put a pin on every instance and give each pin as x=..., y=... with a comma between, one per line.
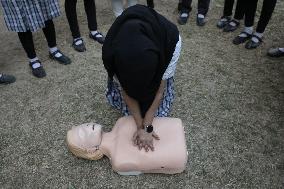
x=169, y=156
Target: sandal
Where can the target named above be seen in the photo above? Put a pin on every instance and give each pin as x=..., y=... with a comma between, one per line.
x=231, y=28
x=98, y=37
x=80, y=47
x=62, y=59
x=238, y=40
x=38, y=72
x=251, y=44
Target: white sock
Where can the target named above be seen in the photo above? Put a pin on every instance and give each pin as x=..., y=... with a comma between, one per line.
x=281, y=49
x=247, y=30
x=54, y=49
x=95, y=32
x=36, y=65
x=233, y=23
x=256, y=40
x=200, y=16
x=184, y=15
x=225, y=19
x=79, y=41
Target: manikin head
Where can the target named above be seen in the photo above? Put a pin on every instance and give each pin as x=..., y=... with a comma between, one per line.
x=88, y=137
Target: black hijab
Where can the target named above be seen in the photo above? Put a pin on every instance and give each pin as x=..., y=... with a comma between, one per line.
x=138, y=49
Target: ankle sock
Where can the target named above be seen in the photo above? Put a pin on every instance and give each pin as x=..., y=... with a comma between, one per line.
x=234, y=22
x=256, y=40
x=54, y=49
x=225, y=18
x=95, y=32
x=35, y=65
x=247, y=30
x=78, y=40
x=184, y=15
x=200, y=16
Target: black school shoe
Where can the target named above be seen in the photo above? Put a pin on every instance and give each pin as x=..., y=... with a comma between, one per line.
x=224, y=20
x=182, y=20
x=251, y=44
x=238, y=40
x=81, y=47
x=37, y=72
x=7, y=79
x=230, y=28
x=62, y=59
x=200, y=21
x=97, y=37
x=275, y=52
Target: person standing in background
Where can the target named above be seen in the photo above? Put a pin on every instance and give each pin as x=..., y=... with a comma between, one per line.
x=226, y=22
x=25, y=17
x=255, y=38
x=71, y=14
x=184, y=8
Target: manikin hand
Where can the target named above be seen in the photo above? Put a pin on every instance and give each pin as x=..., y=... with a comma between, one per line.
x=142, y=139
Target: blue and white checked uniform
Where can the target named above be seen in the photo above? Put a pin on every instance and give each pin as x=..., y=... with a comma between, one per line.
x=115, y=98
x=29, y=15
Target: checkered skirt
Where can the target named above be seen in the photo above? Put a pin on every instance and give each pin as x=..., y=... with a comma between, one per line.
x=29, y=15
x=115, y=98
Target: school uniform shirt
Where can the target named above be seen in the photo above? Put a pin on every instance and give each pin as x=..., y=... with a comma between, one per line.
x=29, y=15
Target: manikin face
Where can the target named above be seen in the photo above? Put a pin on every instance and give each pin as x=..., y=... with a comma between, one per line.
x=88, y=134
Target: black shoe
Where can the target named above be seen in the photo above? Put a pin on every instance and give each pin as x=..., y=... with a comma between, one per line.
x=183, y=17
x=251, y=44
x=81, y=47
x=98, y=37
x=7, y=79
x=275, y=52
x=37, y=72
x=230, y=28
x=238, y=40
x=223, y=21
x=62, y=59
x=200, y=21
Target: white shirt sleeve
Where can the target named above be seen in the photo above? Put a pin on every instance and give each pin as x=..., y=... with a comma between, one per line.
x=170, y=71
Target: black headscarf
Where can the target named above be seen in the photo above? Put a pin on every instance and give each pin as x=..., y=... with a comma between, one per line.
x=138, y=49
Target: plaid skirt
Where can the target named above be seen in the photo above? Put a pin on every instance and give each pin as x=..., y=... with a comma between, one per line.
x=29, y=15
x=115, y=98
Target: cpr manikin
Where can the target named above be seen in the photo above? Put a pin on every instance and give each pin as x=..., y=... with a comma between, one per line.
x=170, y=155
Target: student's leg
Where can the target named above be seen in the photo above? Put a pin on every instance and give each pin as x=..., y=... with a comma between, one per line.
x=266, y=13
x=227, y=13
x=150, y=3
x=54, y=52
x=228, y=8
x=203, y=6
x=239, y=14
x=26, y=39
x=184, y=7
x=250, y=9
x=90, y=8
x=240, y=10
x=131, y=3
x=117, y=6
x=71, y=14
